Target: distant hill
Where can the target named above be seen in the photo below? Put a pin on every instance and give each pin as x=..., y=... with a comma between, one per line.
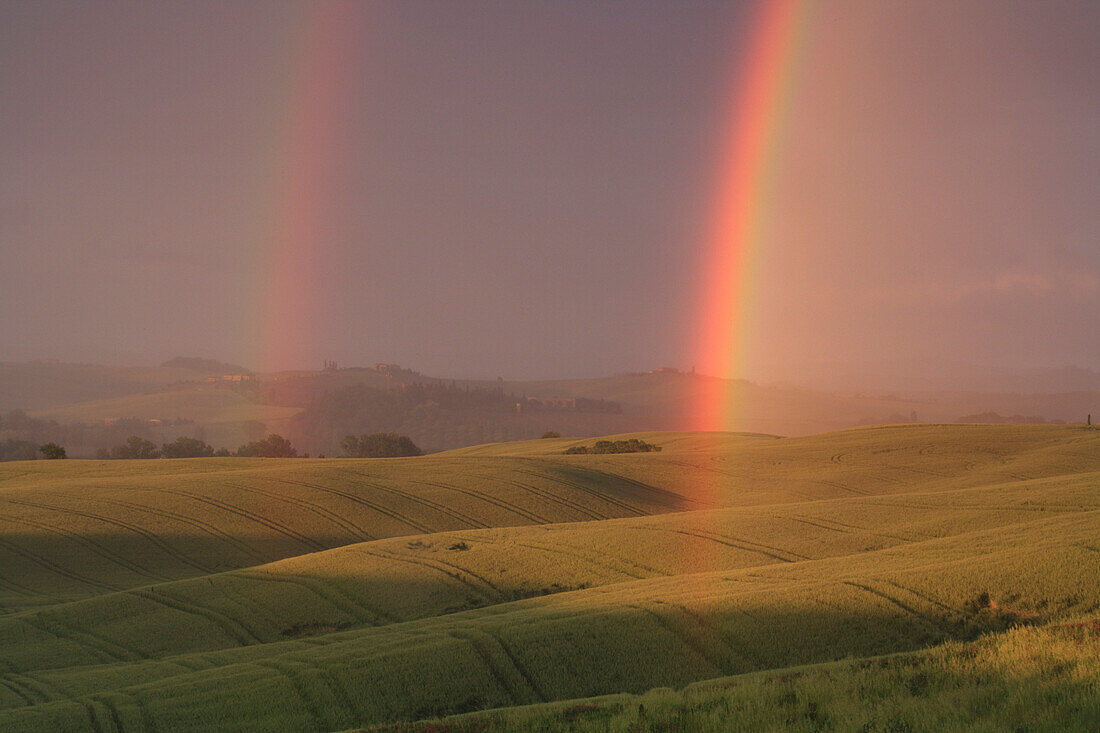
x=440, y=413
x=198, y=364
x=36, y=385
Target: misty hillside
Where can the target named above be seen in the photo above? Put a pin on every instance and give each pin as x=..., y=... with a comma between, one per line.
x=92, y=407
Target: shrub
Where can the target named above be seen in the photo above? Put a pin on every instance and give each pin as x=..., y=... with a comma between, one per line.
x=551, y=434
x=632, y=445
x=135, y=447
x=273, y=446
x=52, y=451
x=187, y=448
x=379, y=445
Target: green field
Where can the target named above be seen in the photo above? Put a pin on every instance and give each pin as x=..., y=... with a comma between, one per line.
x=252, y=594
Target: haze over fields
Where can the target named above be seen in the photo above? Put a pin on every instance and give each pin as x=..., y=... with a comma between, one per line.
x=528, y=190
x=465, y=367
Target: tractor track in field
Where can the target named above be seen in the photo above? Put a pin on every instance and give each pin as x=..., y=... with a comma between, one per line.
x=734, y=649
x=440, y=566
x=843, y=487
x=666, y=498
x=683, y=636
x=246, y=607
x=90, y=642
x=20, y=692
x=19, y=589
x=339, y=691
x=732, y=652
x=591, y=561
x=95, y=547
x=310, y=704
x=540, y=695
x=183, y=519
x=309, y=506
x=546, y=496
x=151, y=537
x=248, y=514
x=357, y=499
x=93, y=717
x=486, y=498
x=37, y=687
x=329, y=593
x=434, y=505
x=112, y=710
x=54, y=568
x=594, y=493
x=890, y=599
x=1038, y=508
x=845, y=528
x=477, y=639
x=730, y=542
x=923, y=536
x=923, y=596
x=230, y=626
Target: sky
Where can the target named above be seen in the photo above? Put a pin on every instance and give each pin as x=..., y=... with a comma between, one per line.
x=523, y=189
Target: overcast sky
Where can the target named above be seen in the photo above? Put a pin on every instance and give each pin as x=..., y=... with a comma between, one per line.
x=521, y=188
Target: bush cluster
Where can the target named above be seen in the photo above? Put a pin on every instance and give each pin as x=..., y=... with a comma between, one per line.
x=633, y=445
x=379, y=445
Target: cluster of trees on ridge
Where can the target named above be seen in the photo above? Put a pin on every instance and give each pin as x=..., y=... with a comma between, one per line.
x=22, y=435
x=136, y=447
x=632, y=445
x=376, y=445
x=379, y=445
x=430, y=411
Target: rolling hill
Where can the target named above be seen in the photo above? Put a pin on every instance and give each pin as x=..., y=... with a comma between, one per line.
x=317, y=409
x=251, y=594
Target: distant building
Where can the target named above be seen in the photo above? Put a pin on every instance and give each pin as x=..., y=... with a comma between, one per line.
x=387, y=368
x=664, y=370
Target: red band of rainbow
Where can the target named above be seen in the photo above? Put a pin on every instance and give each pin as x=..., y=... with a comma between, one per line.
x=747, y=167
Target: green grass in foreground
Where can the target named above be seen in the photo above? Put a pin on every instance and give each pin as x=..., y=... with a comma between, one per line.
x=1024, y=679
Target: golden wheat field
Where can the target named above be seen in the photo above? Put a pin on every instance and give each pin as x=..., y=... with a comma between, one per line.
x=333, y=594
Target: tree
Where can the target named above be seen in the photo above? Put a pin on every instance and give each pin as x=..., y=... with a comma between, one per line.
x=53, y=451
x=551, y=434
x=135, y=447
x=187, y=448
x=273, y=446
x=18, y=450
x=379, y=445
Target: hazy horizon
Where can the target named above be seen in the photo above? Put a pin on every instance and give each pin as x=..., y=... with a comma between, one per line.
x=524, y=190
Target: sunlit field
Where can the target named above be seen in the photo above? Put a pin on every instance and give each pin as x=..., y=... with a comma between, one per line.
x=307, y=594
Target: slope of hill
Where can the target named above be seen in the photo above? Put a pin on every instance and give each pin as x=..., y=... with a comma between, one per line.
x=1005, y=681
x=42, y=385
x=218, y=413
x=321, y=595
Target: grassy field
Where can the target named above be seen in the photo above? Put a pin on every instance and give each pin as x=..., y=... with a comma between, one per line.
x=1023, y=679
x=251, y=594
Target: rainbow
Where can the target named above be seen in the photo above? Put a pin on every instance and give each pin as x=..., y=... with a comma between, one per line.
x=737, y=230
x=301, y=183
